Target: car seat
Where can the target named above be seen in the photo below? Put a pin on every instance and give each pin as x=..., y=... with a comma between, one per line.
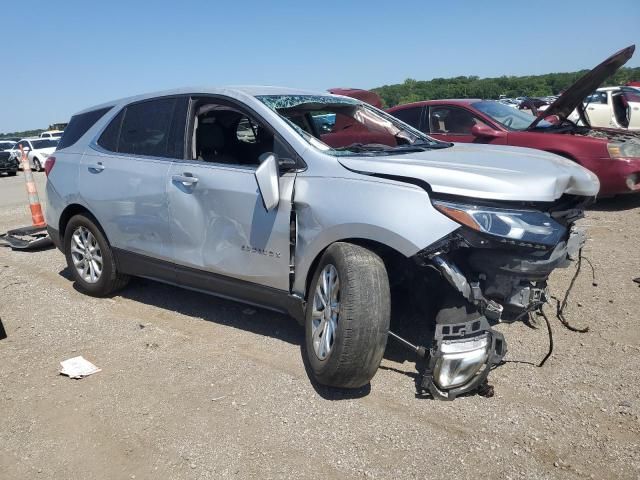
x=210, y=143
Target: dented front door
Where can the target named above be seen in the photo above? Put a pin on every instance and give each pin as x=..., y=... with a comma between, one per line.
x=219, y=224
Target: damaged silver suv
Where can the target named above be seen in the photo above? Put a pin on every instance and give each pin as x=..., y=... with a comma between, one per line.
x=320, y=206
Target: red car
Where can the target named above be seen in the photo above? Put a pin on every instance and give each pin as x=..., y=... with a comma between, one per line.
x=613, y=155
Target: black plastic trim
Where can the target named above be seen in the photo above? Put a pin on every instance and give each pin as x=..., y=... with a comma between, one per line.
x=55, y=237
x=207, y=282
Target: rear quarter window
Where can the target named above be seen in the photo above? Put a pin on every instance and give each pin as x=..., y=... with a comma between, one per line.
x=79, y=125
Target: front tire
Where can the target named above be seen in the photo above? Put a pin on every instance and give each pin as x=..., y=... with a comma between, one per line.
x=36, y=165
x=347, y=317
x=90, y=258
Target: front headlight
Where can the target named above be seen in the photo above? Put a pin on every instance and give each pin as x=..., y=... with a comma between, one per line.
x=625, y=150
x=522, y=225
x=460, y=361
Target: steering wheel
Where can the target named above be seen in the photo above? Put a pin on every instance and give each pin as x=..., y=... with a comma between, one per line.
x=508, y=121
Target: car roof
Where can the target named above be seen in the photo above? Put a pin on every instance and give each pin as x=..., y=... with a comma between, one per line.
x=452, y=101
x=607, y=89
x=236, y=91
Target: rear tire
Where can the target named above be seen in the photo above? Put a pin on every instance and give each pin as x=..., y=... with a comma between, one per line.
x=36, y=165
x=12, y=174
x=345, y=342
x=90, y=258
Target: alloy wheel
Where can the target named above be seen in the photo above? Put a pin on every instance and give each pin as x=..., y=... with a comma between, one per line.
x=86, y=255
x=325, y=312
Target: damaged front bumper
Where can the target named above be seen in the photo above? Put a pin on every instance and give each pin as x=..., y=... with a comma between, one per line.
x=499, y=280
x=500, y=284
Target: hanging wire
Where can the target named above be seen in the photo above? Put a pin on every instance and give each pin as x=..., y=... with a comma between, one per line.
x=541, y=313
x=560, y=306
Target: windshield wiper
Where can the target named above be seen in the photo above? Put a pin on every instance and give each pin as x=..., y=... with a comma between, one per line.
x=364, y=147
x=432, y=145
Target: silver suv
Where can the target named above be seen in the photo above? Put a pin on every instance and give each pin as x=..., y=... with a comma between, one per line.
x=320, y=206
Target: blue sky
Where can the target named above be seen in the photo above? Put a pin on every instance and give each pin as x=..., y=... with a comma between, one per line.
x=72, y=54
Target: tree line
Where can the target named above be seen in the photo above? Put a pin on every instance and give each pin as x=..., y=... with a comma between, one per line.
x=474, y=87
x=23, y=134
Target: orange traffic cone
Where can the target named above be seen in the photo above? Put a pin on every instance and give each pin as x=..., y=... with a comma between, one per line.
x=37, y=218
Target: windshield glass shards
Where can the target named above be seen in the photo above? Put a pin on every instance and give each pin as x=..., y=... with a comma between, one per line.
x=345, y=126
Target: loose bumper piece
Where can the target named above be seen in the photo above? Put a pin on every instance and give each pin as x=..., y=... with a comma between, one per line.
x=28, y=238
x=461, y=358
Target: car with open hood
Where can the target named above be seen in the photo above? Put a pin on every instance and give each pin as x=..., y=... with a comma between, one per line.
x=612, y=107
x=240, y=192
x=612, y=154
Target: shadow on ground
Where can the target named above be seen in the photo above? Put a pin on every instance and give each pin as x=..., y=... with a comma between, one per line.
x=619, y=203
x=405, y=321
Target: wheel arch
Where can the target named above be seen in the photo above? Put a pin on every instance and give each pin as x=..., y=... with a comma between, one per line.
x=76, y=209
x=389, y=255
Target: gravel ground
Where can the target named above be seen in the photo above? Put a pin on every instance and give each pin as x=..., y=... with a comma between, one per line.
x=197, y=387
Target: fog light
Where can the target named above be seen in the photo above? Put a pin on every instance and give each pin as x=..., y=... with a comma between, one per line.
x=460, y=361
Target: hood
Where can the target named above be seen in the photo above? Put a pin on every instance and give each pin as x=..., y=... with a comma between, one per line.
x=574, y=95
x=486, y=171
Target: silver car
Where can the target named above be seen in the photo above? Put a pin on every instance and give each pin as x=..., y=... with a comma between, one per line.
x=322, y=207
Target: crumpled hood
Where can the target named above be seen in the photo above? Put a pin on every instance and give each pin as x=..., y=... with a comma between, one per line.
x=485, y=171
x=574, y=95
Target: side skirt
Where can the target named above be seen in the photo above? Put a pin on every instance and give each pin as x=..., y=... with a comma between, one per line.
x=230, y=288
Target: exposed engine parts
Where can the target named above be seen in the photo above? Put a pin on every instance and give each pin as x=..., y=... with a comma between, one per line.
x=491, y=282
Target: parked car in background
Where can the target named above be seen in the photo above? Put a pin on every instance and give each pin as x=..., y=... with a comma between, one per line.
x=52, y=134
x=534, y=105
x=8, y=164
x=612, y=107
x=37, y=149
x=236, y=192
x=613, y=155
x=7, y=145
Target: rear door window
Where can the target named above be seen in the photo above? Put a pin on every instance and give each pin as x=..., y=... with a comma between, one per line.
x=152, y=128
x=145, y=128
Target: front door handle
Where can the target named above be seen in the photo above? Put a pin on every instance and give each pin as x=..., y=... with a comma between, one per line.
x=96, y=167
x=186, y=179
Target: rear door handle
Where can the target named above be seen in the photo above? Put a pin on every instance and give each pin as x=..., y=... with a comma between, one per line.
x=186, y=179
x=96, y=167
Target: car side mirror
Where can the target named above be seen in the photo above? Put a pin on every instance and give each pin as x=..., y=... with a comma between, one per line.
x=267, y=177
x=482, y=130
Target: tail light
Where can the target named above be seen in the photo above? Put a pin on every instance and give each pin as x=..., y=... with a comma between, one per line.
x=48, y=165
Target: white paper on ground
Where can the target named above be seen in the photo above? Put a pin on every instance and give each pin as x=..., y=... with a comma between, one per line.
x=78, y=367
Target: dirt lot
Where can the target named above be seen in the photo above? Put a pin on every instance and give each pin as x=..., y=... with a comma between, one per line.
x=197, y=387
